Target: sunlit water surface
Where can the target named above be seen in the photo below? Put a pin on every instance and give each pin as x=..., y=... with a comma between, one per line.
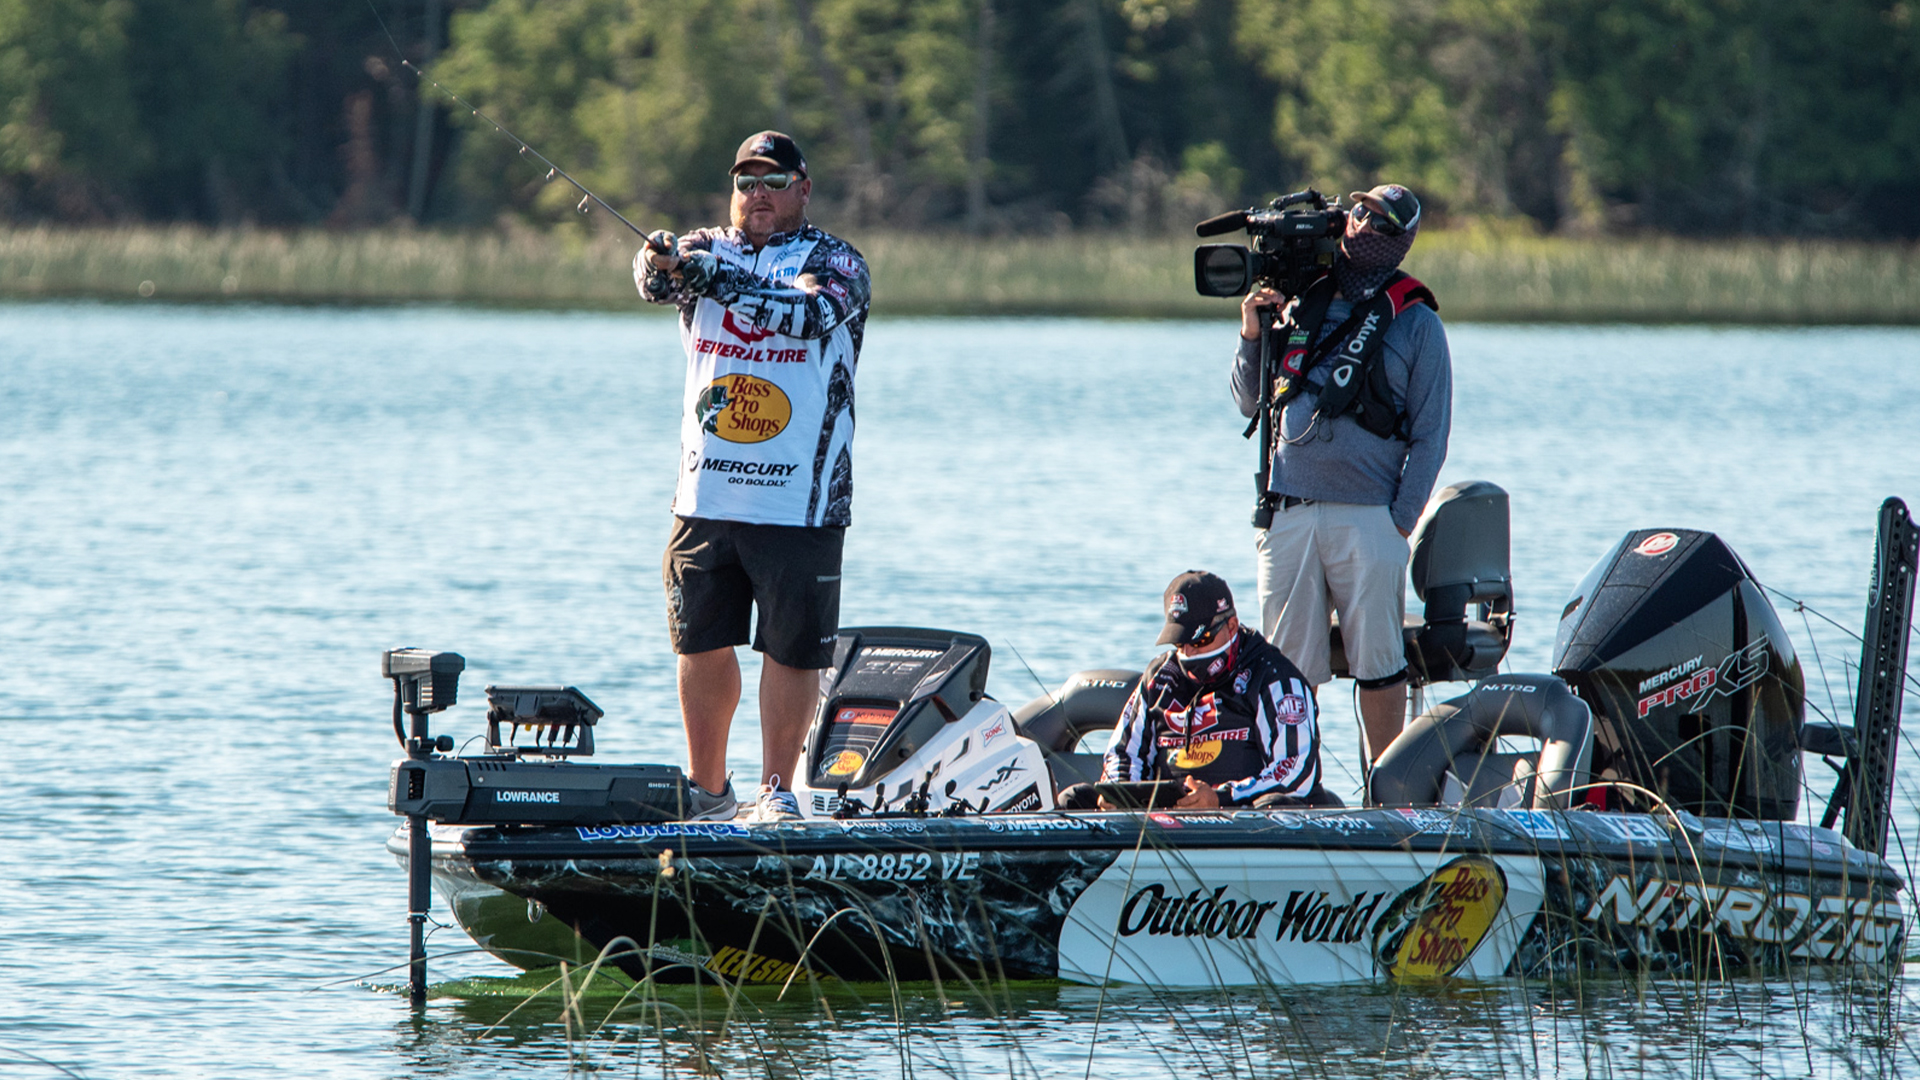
x=212, y=520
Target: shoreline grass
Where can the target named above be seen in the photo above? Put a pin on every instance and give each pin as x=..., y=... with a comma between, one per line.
x=1478, y=275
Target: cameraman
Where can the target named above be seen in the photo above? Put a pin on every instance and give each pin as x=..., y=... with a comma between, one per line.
x=1362, y=408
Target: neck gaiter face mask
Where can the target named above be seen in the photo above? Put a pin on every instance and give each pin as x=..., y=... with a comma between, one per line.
x=1210, y=665
x=1366, y=258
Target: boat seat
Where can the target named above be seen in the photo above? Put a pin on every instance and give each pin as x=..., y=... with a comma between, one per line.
x=1495, y=781
x=1457, y=739
x=1088, y=702
x=1071, y=769
x=1461, y=555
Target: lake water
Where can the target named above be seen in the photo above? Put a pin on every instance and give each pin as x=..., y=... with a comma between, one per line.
x=213, y=520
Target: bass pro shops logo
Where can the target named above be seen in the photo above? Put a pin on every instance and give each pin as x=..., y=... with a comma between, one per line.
x=743, y=409
x=1434, y=927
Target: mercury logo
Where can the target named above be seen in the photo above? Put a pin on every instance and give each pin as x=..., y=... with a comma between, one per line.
x=526, y=796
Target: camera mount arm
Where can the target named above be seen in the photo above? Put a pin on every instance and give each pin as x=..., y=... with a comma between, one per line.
x=1263, y=422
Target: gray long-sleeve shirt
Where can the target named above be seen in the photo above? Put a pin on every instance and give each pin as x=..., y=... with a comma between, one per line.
x=1340, y=461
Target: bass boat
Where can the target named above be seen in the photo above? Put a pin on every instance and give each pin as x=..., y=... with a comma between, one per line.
x=1645, y=824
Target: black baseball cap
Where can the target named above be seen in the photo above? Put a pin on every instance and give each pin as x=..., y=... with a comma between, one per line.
x=773, y=148
x=1392, y=202
x=1197, y=603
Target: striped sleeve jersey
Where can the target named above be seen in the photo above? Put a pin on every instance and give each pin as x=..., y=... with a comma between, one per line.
x=1249, y=731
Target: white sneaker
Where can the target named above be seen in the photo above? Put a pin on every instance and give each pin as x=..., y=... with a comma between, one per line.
x=775, y=803
x=704, y=805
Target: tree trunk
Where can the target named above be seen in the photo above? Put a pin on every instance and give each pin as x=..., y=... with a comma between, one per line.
x=863, y=186
x=977, y=142
x=1110, y=135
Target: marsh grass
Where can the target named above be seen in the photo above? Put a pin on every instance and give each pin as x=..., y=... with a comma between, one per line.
x=1478, y=275
x=1808, y=1025
x=967, y=1021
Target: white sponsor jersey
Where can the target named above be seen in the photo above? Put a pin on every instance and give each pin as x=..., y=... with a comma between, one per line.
x=766, y=431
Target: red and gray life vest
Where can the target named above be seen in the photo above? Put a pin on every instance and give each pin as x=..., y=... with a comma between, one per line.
x=1355, y=381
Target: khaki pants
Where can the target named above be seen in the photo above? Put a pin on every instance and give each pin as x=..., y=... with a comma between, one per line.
x=1320, y=557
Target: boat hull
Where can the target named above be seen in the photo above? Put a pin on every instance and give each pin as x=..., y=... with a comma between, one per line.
x=1229, y=898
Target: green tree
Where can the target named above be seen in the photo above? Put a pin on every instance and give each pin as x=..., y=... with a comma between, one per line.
x=69, y=129
x=1451, y=97
x=1745, y=115
x=631, y=98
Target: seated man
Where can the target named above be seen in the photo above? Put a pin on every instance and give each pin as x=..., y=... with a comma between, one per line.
x=1224, y=711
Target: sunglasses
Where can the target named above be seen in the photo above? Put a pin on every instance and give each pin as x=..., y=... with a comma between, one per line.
x=1366, y=217
x=776, y=181
x=1203, y=640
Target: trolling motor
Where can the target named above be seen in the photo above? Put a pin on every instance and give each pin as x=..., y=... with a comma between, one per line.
x=423, y=682
x=510, y=783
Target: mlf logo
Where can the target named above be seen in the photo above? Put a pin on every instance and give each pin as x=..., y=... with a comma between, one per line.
x=743, y=409
x=1293, y=709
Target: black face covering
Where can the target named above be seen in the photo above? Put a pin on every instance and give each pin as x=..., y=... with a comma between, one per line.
x=1208, y=667
x=1366, y=258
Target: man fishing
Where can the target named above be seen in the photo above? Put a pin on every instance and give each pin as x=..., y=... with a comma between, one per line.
x=772, y=311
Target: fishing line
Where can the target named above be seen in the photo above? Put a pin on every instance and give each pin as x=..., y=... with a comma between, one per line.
x=1044, y=688
x=663, y=243
x=526, y=150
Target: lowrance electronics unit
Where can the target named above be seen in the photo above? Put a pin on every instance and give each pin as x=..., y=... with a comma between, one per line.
x=524, y=775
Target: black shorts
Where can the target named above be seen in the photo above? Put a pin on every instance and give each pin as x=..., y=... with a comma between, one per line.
x=716, y=571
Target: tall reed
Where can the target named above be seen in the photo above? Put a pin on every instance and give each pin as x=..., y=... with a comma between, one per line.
x=1478, y=275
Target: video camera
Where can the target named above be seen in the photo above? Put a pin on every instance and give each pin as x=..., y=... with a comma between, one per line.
x=1291, y=247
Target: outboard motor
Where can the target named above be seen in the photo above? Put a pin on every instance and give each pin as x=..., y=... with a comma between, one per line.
x=905, y=724
x=1697, y=691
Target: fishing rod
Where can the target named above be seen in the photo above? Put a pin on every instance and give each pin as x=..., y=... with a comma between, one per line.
x=661, y=241
x=664, y=243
